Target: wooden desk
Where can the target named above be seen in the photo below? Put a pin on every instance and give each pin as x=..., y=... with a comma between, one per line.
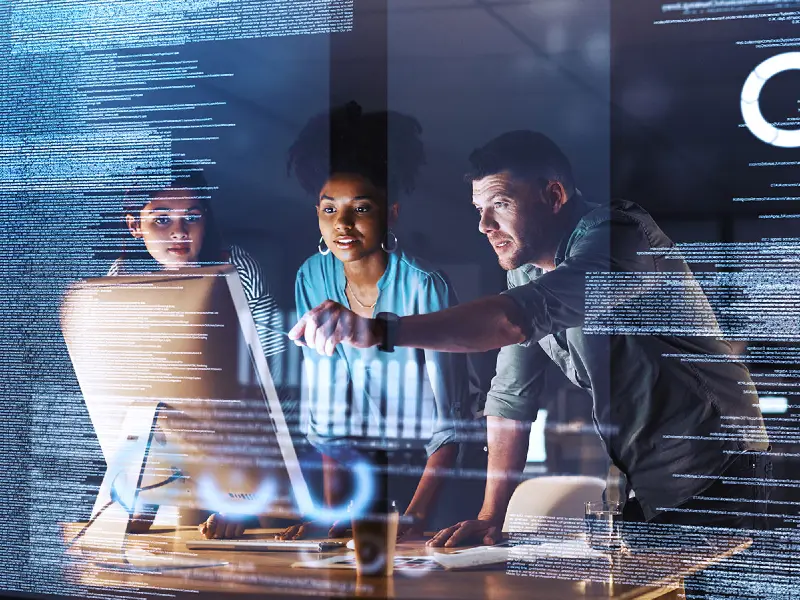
x=269, y=574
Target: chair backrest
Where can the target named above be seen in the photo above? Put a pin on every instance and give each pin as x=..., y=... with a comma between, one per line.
x=554, y=496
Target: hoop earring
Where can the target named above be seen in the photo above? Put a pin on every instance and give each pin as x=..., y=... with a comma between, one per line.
x=323, y=247
x=391, y=243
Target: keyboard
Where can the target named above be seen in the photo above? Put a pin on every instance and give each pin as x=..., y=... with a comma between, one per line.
x=266, y=545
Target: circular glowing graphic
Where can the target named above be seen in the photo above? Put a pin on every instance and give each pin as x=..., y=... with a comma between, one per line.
x=210, y=496
x=358, y=505
x=751, y=110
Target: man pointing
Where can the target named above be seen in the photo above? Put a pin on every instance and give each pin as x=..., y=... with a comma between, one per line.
x=669, y=425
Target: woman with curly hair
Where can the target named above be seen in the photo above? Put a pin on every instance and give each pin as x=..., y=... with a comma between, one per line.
x=399, y=412
x=408, y=402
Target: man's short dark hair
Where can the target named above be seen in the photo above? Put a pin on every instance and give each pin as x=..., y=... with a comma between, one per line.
x=528, y=155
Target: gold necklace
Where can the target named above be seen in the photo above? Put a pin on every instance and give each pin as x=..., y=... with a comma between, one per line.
x=361, y=304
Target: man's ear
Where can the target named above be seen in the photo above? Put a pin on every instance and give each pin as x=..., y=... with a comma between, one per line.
x=134, y=226
x=394, y=212
x=555, y=195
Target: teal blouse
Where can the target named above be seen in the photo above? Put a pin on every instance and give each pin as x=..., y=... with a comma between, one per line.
x=406, y=399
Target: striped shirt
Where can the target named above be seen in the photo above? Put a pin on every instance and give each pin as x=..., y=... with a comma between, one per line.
x=265, y=311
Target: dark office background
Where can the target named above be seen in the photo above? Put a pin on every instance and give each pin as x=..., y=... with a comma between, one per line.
x=466, y=70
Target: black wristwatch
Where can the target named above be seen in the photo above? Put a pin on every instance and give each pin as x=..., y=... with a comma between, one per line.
x=390, y=323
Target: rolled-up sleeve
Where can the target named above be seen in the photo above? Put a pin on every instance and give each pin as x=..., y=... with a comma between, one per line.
x=519, y=377
x=516, y=387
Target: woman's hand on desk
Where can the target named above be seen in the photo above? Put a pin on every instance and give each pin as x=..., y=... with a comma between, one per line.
x=220, y=527
x=143, y=519
x=479, y=531
x=140, y=523
x=311, y=529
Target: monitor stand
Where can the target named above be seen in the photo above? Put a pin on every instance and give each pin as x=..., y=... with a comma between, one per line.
x=105, y=540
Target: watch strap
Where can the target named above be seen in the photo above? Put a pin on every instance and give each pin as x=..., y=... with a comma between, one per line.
x=390, y=323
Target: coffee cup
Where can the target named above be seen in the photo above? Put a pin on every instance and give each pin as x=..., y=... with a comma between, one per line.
x=375, y=539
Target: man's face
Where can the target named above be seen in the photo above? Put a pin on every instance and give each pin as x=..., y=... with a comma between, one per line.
x=517, y=219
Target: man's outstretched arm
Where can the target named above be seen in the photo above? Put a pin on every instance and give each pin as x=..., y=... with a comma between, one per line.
x=555, y=301
x=478, y=326
x=484, y=324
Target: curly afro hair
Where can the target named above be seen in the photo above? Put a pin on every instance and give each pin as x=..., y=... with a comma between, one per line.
x=384, y=147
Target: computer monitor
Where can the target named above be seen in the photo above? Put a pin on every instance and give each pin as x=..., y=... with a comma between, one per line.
x=164, y=363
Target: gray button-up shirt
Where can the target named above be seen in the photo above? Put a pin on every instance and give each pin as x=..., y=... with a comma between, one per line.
x=669, y=425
